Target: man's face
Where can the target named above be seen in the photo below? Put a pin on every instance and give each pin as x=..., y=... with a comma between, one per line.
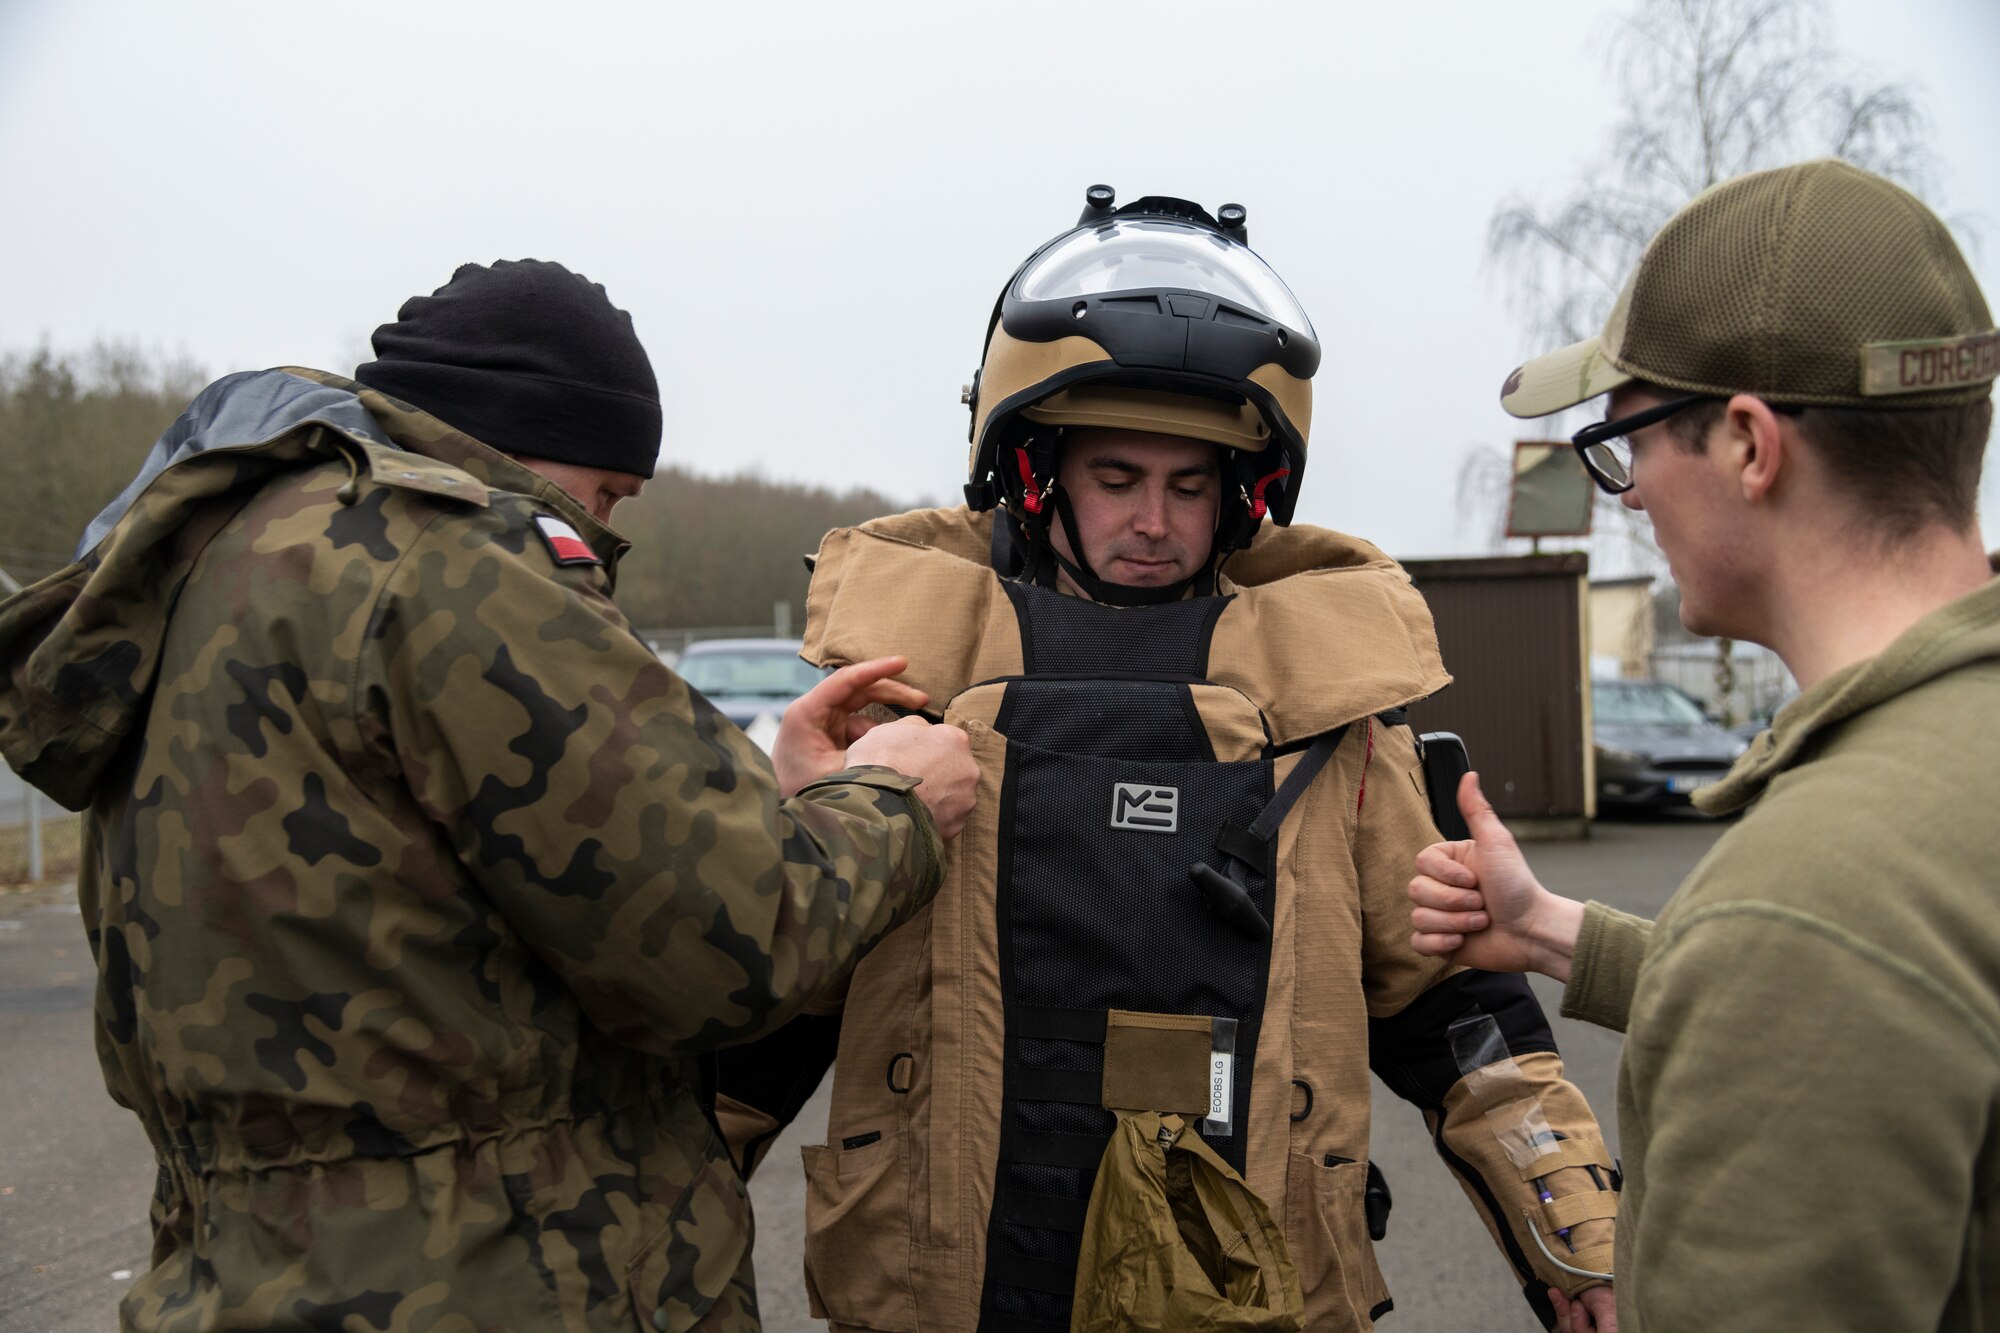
x=1145, y=504
x=1698, y=520
x=597, y=489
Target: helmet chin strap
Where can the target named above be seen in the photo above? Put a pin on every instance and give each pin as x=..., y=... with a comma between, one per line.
x=1202, y=581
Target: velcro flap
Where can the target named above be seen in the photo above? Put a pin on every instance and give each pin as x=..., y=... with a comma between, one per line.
x=1156, y=1062
x=1591, y=1259
x=1574, y=1209
x=1576, y=1151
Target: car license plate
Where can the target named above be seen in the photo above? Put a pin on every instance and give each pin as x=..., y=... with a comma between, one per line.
x=1682, y=786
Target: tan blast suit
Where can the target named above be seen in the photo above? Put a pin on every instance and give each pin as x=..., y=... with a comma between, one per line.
x=981, y=1045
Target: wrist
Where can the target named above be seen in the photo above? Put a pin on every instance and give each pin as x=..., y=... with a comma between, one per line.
x=1552, y=935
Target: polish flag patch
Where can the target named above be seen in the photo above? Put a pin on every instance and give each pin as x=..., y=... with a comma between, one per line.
x=563, y=542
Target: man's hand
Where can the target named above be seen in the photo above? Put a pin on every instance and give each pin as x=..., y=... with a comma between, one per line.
x=1595, y=1310
x=821, y=723
x=1478, y=902
x=940, y=754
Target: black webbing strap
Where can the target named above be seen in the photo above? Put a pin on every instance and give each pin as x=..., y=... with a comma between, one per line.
x=1079, y=1087
x=1018, y=1270
x=1004, y=554
x=1053, y=1211
x=1080, y=1152
x=1037, y=1083
x=1048, y=1022
x=1224, y=893
x=994, y=1321
x=1236, y=840
x=1264, y=828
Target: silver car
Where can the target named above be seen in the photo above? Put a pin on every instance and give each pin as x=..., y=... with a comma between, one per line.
x=1655, y=747
x=750, y=680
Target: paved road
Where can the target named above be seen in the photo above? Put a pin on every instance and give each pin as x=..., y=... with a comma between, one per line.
x=75, y=1172
x=14, y=799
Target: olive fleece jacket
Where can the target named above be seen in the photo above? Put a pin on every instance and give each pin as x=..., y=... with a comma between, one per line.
x=1809, y=1102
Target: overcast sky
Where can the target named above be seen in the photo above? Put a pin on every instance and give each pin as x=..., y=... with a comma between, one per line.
x=808, y=208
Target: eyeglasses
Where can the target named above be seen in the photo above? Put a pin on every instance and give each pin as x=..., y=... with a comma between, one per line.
x=1607, y=452
x=1606, y=448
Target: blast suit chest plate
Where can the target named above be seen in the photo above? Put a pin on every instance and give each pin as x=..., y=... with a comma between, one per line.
x=1124, y=765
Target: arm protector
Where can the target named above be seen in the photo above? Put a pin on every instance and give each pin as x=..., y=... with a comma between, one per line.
x=1475, y=1054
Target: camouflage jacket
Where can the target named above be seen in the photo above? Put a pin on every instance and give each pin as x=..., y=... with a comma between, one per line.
x=419, y=889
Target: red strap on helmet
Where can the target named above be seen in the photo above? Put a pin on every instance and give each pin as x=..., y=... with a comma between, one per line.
x=1031, y=494
x=1257, y=506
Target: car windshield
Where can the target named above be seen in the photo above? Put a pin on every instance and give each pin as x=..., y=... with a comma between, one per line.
x=1643, y=703
x=768, y=673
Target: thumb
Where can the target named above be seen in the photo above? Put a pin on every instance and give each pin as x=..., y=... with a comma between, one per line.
x=1480, y=820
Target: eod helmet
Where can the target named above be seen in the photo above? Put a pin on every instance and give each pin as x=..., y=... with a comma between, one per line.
x=1153, y=316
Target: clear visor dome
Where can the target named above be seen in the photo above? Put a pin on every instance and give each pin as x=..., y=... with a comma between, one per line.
x=1133, y=254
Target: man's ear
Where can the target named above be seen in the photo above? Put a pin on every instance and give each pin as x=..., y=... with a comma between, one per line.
x=1753, y=443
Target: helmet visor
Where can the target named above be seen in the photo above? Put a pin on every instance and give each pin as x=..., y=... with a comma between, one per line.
x=1139, y=254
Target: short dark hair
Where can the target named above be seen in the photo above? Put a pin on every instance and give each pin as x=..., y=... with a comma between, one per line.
x=1905, y=469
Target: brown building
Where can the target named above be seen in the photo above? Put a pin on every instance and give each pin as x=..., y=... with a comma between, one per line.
x=1514, y=631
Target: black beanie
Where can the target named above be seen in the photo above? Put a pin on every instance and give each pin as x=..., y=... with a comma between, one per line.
x=529, y=358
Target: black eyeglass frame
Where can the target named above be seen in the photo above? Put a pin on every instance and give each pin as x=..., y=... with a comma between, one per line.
x=1604, y=432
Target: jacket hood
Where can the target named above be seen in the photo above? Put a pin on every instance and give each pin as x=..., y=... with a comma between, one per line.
x=1965, y=632
x=241, y=411
x=79, y=650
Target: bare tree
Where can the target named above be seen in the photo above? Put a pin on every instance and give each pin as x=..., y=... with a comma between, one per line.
x=1708, y=89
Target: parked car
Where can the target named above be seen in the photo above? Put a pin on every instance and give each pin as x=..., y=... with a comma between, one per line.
x=750, y=680
x=1655, y=747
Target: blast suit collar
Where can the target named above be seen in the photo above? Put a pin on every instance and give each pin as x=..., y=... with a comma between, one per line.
x=1319, y=629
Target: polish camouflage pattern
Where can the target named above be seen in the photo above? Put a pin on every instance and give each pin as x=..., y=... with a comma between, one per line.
x=419, y=890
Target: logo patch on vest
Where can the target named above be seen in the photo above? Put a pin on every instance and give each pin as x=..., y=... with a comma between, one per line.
x=1138, y=805
x=563, y=542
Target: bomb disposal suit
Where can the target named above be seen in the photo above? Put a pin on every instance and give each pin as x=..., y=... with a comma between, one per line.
x=1177, y=919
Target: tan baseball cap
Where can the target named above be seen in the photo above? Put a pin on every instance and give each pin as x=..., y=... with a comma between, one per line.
x=1815, y=284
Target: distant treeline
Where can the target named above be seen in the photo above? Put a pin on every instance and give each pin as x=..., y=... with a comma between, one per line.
x=72, y=432
x=705, y=551
x=722, y=551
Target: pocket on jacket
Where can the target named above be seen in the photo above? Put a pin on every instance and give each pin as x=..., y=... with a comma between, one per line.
x=677, y=1275
x=858, y=1234
x=1327, y=1228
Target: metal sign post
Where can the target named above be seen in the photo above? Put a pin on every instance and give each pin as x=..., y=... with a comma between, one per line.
x=34, y=835
x=1552, y=494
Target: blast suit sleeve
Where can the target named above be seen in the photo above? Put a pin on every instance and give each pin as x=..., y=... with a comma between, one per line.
x=619, y=823
x=1473, y=1051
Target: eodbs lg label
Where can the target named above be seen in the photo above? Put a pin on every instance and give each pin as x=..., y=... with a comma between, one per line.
x=1150, y=809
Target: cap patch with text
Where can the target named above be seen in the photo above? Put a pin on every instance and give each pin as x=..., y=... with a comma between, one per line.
x=1924, y=364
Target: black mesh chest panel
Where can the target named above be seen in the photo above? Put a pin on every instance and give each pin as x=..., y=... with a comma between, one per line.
x=1093, y=916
